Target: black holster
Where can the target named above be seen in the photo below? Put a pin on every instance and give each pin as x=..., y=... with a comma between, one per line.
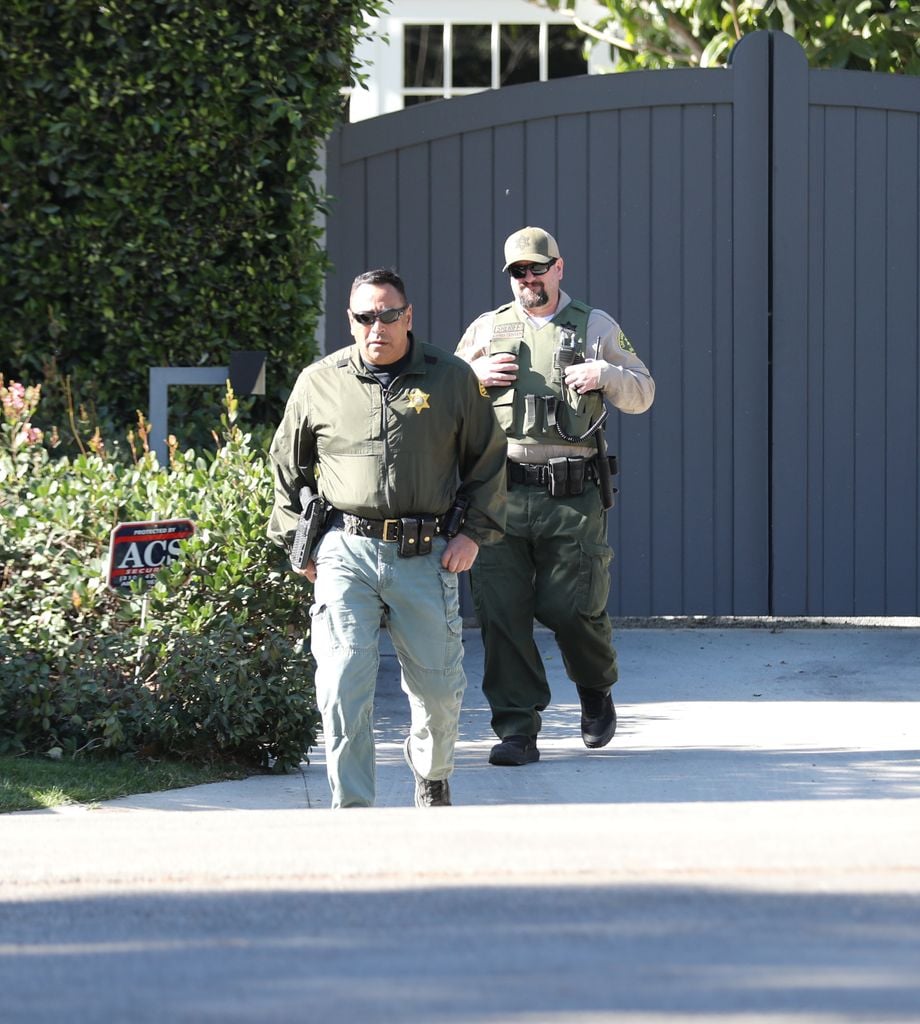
x=310, y=527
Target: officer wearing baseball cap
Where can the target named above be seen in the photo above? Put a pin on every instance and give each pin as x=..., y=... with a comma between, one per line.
x=549, y=363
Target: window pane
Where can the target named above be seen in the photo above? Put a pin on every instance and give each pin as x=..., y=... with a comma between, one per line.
x=411, y=101
x=565, y=44
x=520, y=54
x=472, y=62
x=423, y=56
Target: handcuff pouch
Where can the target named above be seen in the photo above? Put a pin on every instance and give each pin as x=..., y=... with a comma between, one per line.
x=408, y=537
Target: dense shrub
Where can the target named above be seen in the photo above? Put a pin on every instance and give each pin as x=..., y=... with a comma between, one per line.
x=158, y=195
x=207, y=663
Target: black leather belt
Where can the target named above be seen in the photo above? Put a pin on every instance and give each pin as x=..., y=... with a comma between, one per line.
x=537, y=473
x=379, y=529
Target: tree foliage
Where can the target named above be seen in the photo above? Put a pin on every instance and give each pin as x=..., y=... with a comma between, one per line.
x=864, y=35
x=157, y=189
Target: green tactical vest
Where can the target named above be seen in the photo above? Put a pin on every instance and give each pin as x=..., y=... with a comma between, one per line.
x=534, y=347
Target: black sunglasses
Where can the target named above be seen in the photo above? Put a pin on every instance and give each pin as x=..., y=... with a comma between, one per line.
x=385, y=316
x=520, y=270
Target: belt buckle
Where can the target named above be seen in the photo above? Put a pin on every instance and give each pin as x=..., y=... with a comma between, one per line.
x=387, y=524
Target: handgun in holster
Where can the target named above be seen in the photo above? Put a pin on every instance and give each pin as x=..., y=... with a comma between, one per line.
x=310, y=527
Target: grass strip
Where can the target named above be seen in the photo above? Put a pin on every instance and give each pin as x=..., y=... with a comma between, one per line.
x=32, y=783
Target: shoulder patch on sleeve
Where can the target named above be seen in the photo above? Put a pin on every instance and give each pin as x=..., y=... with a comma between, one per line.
x=624, y=342
x=482, y=390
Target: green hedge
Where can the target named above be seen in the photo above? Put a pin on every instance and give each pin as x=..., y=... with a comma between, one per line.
x=157, y=204
x=218, y=670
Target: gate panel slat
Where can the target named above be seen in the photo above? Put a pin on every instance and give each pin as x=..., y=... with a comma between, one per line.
x=445, y=264
x=869, y=354
x=749, y=483
x=814, y=343
x=478, y=228
x=636, y=501
x=789, y=329
x=837, y=390
x=698, y=342
x=668, y=431
x=900, y=439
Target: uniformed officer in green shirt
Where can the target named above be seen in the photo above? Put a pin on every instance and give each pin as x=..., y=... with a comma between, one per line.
x=549, y=362
x=390, y=432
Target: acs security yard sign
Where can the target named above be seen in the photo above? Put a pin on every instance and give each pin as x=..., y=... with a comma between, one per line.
x=140, y=550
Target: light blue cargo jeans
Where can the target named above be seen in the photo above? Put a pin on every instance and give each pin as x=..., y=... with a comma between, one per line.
x=360, y=582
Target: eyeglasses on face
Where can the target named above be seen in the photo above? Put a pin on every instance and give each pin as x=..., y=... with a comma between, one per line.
x=520, y=270
x=385, y=316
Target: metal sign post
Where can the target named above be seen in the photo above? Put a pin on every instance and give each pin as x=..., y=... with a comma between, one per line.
x=139, y=551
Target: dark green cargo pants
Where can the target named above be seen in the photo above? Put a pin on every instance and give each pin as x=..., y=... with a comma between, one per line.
x=552, y=566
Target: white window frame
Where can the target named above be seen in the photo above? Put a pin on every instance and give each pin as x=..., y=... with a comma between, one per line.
x=382, y=49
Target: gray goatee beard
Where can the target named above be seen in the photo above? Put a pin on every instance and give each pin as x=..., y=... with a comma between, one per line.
x=534, y=296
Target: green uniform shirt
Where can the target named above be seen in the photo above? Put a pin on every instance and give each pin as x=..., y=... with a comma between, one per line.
x=386, y=454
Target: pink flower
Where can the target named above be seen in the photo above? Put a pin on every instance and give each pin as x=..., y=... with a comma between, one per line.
x=19, y=402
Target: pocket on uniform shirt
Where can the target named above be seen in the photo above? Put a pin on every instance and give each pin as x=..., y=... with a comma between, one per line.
x=503, y=402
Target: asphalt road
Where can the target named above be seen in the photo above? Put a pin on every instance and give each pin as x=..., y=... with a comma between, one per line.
x=747, y=850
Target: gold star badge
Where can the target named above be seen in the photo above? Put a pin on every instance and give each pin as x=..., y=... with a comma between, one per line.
x=418, y=400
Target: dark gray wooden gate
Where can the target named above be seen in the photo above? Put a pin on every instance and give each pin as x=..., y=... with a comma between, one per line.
x=755, y=231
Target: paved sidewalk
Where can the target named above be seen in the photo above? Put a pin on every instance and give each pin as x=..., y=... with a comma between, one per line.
x=747, y=849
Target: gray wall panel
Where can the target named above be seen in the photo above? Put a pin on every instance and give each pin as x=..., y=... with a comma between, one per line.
x=789, y=352
x=838, y=387
x=413, y=226
x=699, y=399
x=632, y=441
x=755, y=232
x=669, y=429
x=814, y=342
x=864, y=89
x=902, y=447
x=724, y=363
x=478, y=227
x=446, y=267
x=574, y=203
x=347, y=247
x=513, y=199
x=749, y=484
x=870, y=353
x=381, y=231
x=602, y=263
x=521, y=104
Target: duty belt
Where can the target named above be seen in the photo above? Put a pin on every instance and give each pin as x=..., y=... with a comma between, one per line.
x=412, y=534
x=538, y=473
x=379, y=529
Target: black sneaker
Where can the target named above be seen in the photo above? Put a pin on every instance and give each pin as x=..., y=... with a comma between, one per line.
x=428, y=792
x=515, y=750
x=598, y=717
